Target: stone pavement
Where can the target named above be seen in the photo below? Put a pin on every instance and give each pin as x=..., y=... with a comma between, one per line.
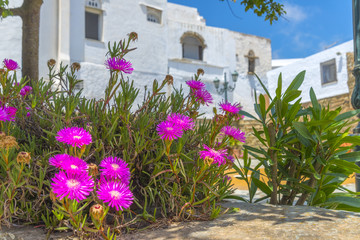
x=250, y=221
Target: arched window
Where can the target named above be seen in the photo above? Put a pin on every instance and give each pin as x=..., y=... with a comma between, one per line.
x=251, y=59
x=192, y=47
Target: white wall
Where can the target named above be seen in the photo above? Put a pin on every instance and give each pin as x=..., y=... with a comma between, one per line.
x=313, y=73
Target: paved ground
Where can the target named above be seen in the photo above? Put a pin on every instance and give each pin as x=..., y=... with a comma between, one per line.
x=250, y=221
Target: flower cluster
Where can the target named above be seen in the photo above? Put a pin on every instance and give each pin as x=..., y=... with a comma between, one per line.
x=75, y=181
x=199, y=92
x=174, y=126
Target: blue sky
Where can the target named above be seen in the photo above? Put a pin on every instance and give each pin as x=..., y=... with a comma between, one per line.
x=309, y=26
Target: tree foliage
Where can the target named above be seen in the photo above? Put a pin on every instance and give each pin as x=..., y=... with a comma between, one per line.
x=270, y=8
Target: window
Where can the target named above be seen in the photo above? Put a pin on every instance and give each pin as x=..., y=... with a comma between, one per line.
x=153, y=15
x=192, y=47
x=251, y=62
x=328, y=71
x=93, y=20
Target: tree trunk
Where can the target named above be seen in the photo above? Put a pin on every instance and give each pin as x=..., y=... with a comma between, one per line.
x=30, y=38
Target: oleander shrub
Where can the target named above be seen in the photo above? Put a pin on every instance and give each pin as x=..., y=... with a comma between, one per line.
x=168, y=163
x=305, y=152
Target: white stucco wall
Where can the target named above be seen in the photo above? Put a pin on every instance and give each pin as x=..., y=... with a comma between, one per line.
x=159, y=50
x=313, y=73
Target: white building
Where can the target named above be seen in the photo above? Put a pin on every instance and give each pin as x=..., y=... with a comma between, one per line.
x=326, y=73
x=173, y=39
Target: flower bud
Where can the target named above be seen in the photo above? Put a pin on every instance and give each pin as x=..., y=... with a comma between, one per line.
x=96, y=211
x=169, y=79
x=75, y=66
x=93, y=169
x=51, y=63
x=200, y=71
x=133, y=36
x=208, y=160
x=8, y=142
x=23, y=157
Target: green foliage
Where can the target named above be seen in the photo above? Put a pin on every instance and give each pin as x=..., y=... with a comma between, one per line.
x=271, y=9
x=168, y=179
x=304, y=151
x=4, y=8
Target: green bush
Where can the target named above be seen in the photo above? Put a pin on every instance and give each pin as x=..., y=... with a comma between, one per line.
x=304, y=151
x=168, y=178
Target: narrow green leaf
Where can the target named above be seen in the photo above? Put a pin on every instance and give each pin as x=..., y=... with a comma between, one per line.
x=262, y=186
x=301, y=128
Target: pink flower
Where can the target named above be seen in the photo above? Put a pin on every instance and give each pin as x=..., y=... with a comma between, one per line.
x=74, y=165
x=7, y=113
x=73, y=186
x=115, y=169
x=233, y=133
x=4, y=116
x=28, y=114
x=118, y=195
x=169, y=131
x=11, y=112
x=74, y=136
x=119, y=65
x=25, y=90
x=182, y=121
x=228, y=107
x=219, y=156
x=10, y=64
x=58, y=159
x=203, y=96
x=197, y=85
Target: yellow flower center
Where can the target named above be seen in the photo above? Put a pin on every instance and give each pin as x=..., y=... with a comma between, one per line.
x=77, y=137
x=72, y=183
x=115, y=194
x=169, y=128
x=73, y=166
x=115, y=166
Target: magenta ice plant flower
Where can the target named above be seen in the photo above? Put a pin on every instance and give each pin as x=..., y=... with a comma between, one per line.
x=7, y=113
x=197, y=85
x=74, y=165
x=233, y=133
x=115, y=169
x=203, y=96
x=119, y=65
x=58, y=159
x=4, y=116
x=10, y=64
x=219, y=156
x=117, y=195
x=182, y=121
x=227, y=107
x=72, y=186
x=25, y=90
x=74, y=136
x=168, y=131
